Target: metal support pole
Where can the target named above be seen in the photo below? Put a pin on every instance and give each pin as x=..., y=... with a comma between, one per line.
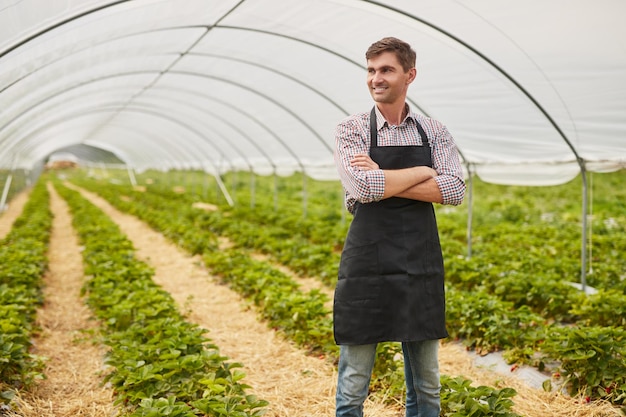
x=470, y=212
x=220, y=183
x=583, y=263
x=304, y=195
x=131, y=176
x=252, y=189
x=275, y=192
x=5, y=192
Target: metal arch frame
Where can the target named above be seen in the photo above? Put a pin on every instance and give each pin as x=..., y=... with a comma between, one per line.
x=148, y=104
x=216, y=175
x=330, y=51
x=237, y=109
x=104, y=42
x=274, y=71
x=268, y=98
x=579, y=159
x=71, y=117
x=229, y=124
x=208, y=28
x=157, y=107
x=194, y=131
x=173, y=120
x=372, y=2
x=162, y=116
x=423, y=21
x=60, y=23
x=264, y=96
x=59, y=93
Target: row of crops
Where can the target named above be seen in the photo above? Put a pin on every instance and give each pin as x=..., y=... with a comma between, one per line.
x=300, y=316
x=158, y=363
x=511, y=295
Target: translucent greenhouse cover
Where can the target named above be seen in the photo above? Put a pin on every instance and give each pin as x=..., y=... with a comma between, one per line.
x=533, y=91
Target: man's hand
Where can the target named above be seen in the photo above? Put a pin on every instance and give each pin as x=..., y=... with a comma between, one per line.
x=363, y=162
x=415, y=183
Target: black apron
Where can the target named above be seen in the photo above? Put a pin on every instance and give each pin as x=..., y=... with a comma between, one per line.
x=390, y=285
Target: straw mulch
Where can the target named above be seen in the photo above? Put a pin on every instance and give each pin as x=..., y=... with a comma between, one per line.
x=295, y=384
x=72, y=387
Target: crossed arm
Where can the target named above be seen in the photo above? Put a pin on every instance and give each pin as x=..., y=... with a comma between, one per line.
x=415, y=183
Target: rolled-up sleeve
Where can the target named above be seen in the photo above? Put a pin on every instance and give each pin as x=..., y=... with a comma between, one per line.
x=363, y=186
x=447, y=163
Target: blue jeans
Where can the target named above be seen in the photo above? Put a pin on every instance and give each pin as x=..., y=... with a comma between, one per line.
x=421, y=371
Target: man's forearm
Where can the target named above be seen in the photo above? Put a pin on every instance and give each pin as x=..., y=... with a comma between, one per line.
x=399, y=181
x=427, y=191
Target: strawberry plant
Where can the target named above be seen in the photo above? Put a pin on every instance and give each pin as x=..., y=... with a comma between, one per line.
x=159, y=362
x=22, y=265
x=461, y=399
x=300, y=316
x=591, y=360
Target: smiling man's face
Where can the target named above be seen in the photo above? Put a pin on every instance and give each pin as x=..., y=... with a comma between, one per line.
x=386, y=79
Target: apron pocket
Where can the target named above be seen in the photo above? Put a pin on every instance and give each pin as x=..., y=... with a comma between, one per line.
x=359, y=261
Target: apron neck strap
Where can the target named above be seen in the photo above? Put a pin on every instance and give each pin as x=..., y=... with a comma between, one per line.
x=374, y=130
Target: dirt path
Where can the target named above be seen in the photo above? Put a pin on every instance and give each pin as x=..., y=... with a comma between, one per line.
x=455, y=361
x=72, y=387
x=12, y=213
x=296, y=385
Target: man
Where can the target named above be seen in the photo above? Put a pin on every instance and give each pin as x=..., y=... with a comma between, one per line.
x=393, y=165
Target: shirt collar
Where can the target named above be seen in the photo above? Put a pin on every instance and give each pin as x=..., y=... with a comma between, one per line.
x=380, y=119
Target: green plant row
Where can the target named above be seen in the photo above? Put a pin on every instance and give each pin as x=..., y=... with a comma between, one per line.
x=483, y=318
x=309, y=247
x=302, y=317
x=23, y=263
x=488, y=309
x=160, y=364
x=591, y=360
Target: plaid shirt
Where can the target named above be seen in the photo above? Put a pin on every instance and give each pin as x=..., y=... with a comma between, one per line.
x=352, y=136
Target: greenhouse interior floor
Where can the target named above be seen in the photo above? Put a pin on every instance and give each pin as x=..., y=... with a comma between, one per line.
x=295, y=384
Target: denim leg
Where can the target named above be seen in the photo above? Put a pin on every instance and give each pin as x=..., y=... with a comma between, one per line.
x=354, y=374
x=421, y=371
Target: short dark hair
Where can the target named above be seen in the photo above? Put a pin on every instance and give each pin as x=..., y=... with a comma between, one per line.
x=405, y=54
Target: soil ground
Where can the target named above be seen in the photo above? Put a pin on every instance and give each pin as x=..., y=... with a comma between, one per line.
x=295, y=384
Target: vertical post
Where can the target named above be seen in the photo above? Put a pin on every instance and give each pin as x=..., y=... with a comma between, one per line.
x=205, y=186
x=304, y=194
x=470, y=211
x=234, y=182
x=222, y=187
x=5, y=192
x=252, y=189
x=131, y=176
x=275, y=192
x=590, y=227
x=583, y=263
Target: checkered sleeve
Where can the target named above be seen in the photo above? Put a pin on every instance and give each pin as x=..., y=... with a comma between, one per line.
x=352, y=138
x=447, y=163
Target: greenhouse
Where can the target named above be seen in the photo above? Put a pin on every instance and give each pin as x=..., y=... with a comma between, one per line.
x=171, y=134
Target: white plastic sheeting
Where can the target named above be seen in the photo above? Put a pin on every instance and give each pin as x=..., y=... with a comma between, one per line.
x=532, y=91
